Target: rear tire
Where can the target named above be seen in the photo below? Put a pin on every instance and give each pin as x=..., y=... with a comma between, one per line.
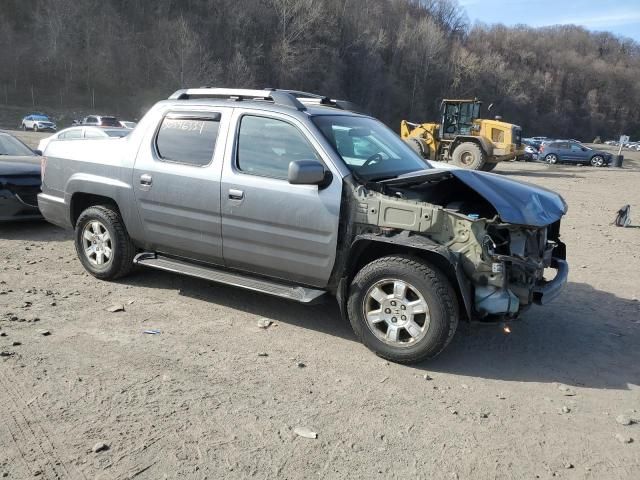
x=103, y=244
x=417, y=314
x=551, y=159
x=468, y=155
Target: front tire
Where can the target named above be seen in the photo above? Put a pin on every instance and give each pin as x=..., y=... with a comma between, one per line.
x=35, y=128
x=468, y=155
x=403, y=309
x=487, y=167
x=419, y=146
x=103, y=244
x=597, y=161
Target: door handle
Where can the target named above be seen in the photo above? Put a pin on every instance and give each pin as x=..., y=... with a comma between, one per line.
x=146, y=179
x=235, y=194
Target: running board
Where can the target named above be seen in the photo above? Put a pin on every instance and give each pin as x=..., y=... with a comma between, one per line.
x=257, y=284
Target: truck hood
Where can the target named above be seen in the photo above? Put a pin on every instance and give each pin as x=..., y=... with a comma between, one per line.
x=516, y=202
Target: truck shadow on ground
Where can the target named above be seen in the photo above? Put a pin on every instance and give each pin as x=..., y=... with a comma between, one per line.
x=587, y=337
x=34, y=230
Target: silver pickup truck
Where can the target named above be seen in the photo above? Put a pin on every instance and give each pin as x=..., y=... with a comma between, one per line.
x=298, y=196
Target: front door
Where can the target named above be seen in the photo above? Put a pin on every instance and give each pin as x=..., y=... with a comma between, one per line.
x=577, y=153
x=269, y=226
x=177, y=184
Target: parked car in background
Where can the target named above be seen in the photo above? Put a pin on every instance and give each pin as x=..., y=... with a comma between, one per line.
x=534, y=142
x=80, y=133
x=37, y=122
x=127, y=124
x=567, y=151
x=19, y=180
x=530, y=153
x=101, y=121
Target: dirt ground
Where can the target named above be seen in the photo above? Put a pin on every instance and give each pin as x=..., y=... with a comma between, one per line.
x=215, y=396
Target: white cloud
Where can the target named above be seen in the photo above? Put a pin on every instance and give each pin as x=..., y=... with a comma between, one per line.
x=600, y=21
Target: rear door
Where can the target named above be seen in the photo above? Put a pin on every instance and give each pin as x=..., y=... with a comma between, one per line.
x=176, y=180
x=562, y=151
x=269, y=226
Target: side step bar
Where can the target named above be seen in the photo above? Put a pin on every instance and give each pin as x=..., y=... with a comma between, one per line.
x=257, y=284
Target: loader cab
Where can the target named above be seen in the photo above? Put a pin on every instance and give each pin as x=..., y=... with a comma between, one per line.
x=458, y=117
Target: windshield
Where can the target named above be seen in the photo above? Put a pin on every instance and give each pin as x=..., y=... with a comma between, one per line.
x=14, y=147
x=41, y=118
x=370, y=149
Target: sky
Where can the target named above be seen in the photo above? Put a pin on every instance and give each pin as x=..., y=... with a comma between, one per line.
x=621, y=17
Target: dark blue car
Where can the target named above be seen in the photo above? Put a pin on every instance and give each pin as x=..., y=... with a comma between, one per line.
x=569, y=151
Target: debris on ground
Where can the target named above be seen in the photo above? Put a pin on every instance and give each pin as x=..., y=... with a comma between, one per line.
x=44, y=333
x=566, y=391
x=100, y=447
x=305, y=432
x=623, y=438
x=624, y=420
x=115, y=308
x=264, y=323
x=152, y=332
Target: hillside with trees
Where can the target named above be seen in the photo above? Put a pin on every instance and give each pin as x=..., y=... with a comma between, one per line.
x=397, y=58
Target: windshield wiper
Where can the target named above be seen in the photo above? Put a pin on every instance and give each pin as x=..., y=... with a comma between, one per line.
x=383, y=178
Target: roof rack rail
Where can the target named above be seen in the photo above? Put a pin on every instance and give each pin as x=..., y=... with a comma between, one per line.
x=279, y=97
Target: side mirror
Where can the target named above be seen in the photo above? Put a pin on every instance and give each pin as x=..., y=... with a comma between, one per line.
x=584, y=149
x=38, y=152
x=306, y=172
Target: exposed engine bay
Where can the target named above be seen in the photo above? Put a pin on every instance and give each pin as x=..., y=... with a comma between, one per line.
x=505, y=262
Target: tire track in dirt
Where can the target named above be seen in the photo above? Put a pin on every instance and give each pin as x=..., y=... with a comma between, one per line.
x=16, y=406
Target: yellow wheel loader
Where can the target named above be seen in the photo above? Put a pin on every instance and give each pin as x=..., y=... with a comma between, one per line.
x=463, y=138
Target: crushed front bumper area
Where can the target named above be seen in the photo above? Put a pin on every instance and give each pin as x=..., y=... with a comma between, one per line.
x=549, y=290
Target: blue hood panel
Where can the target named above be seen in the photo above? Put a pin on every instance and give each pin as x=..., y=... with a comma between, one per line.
x=516, y=202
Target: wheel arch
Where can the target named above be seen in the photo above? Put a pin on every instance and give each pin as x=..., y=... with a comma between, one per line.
x=80, y=201
x=367, y=248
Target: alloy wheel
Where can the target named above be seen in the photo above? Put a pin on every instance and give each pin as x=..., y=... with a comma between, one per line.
x=396, y=312
x=97, y=244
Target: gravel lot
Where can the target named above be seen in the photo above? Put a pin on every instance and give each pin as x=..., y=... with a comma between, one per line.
x=216, y=396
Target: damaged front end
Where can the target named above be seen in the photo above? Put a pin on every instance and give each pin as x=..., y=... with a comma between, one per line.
x=501, y=235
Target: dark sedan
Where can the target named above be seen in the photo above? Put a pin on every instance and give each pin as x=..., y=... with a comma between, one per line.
x=569, y=151
x=19, y=180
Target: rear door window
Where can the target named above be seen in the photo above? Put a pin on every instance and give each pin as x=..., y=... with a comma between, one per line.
x=71, y=134
x=188, y=139
x=91, y=133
